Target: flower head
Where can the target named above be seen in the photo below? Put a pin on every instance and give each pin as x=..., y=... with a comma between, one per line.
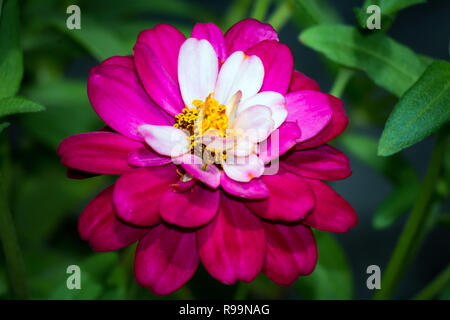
x=221, y=148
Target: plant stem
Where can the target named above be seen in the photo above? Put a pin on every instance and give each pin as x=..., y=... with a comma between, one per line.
x=260, y=9
x=341, y=81
x=13, y=256
x=402, y=253
x=281, y=15
x=435, y=286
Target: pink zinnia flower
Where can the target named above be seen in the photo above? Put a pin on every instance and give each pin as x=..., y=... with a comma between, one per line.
x=222, y=97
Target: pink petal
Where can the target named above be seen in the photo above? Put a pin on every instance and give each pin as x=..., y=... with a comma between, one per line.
x=291, y=252
x=137, y=194
x=311, y=110
x=323, y=163
x=209, y=174
x=127, y=62
x=336, y=126
x=301, y=82
x=332, y=212
x=97, y=152
x=247, y=33
x=156, y=57
x=291, y=198
x=145, y=157
x=116, y=94
x=214, y=35
x=192, y=208
x=281, y=141
x=99, y=225
x=232, y=246
x=278, y=65
x=255, y=189
x=165, y=259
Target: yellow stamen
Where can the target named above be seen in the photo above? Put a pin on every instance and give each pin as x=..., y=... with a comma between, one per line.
x=208, y=116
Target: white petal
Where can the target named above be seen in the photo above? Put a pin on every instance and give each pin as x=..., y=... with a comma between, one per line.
x=243, y=169
x=166, y=140
x=243, y=148
x=255, y=122
x=197, y=70
x=274, y=100
x=239, y=72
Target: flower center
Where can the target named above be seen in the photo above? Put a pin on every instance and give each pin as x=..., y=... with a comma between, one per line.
x=207, y=120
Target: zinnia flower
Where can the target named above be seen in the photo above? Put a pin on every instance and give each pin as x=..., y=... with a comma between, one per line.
x=187, y=121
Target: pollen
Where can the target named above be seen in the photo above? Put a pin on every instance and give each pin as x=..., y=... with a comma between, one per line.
x=207, y=117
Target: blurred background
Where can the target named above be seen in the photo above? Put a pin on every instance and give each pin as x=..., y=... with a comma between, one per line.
x=45, y=204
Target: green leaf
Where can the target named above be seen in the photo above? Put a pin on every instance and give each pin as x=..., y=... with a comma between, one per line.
x=395, y=205
x=13, y=105
x=11, y=64
x=420, y=112
x=388, y=63
x=95, y=38
x=331, y=278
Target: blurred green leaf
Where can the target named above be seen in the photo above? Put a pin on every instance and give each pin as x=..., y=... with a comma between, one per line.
x=11, y=64
x=67, y=112
x=13, y=105
x=94, y=271
x=314, y=12
x=49, y=197
x=173, y=8
x=262, y=288
x=332, y=277
x=443, y=221
x=98, y=40
x=388, y=63
x=393, y=6
x=236, y=11
x=420, y=112
x=3, y=279
x=364, y=147
x=445, y=294
x=3, y=126
x=395, y=205
x=91, y=289
x=395, y=168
